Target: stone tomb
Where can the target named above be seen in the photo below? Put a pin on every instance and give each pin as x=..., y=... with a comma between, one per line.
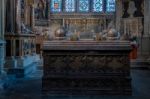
x=86, y=68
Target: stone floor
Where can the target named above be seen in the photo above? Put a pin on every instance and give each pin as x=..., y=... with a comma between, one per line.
x=30, y=88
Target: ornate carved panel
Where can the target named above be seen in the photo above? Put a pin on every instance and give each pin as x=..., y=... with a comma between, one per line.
x=133, y=26
x=86, y=63
x=68, y=70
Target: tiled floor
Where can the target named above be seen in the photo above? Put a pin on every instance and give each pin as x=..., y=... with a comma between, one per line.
x=30, y=88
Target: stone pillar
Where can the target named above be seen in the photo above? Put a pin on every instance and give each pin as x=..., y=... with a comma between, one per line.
x=32, y=17
x=2, y=30
x=10, y=16
x=146, y=17
x=2, y=18
x=18, y=16
x=118, y=14
x=2, y=44
x=26, y=13
x=11, y=29
x=146, y=36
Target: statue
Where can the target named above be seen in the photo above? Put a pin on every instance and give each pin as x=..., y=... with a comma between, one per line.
x=131, y=8
x=24, y=29
x=41, y=9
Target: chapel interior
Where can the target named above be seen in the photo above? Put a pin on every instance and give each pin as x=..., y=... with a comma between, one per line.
x=74, y=49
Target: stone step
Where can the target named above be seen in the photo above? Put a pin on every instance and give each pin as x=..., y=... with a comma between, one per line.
x=140, y=63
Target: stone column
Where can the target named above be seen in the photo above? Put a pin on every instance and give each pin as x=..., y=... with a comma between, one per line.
x=28, y=12
x=2, y=30
x=10, y=16
x=32, y=17
x=18, y=16
x=10, y=31
x=146, y=17
x=118, y=14
x=2, y=18
x=25, y=13
x=146, y=36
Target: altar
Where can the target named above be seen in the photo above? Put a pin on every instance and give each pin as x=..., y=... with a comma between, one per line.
x=86, y=67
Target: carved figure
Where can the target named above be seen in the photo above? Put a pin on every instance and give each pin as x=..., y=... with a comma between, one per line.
x=131, y=8
x=41, y=9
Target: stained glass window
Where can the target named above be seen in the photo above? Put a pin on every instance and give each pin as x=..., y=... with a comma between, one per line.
x=69, y=5
x=110, y=6
x=56, y=5
x=84, y=5
x=97, y=5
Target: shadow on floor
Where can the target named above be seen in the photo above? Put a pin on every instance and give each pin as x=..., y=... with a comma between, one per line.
x=30, y=88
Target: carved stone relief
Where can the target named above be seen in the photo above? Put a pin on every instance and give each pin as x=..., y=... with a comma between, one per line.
x=84, y=63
